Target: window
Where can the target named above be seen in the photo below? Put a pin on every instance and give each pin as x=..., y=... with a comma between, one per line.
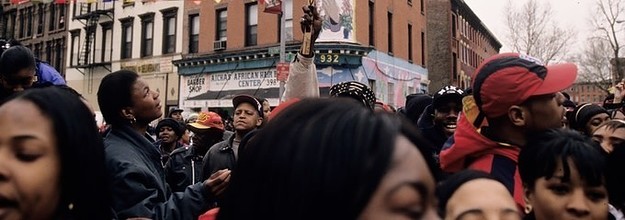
x=107, y=41
x=37, y=51
x=29, y=21
x=49, y=51
x=288, y=21
x=194, y=33
x=371, y=23
x=74, y=6
x=22, y=25
x=454, y=65
x=391, y=94
x=422, y=48
x=221, y=24
x=75, y=48
x=126, y=51
x=288, y=24
x=147, y=35
x=390, y=32
x=251, y=24
x=410, y=2
x=372, y=85
x=169, y=30
x=58, y=57
x=40, y=22
x=410, y=42
x=52, y=23
x=422, y=6
x=453, y=26
x=13, y=22
x=61, y=16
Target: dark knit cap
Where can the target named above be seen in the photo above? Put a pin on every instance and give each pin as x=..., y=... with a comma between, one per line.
x=416, y=105
x=173, y=124
x=583, y=113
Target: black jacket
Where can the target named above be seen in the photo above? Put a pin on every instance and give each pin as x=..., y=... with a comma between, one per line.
x=219, y=156
x=138, y=183
x=184, y=168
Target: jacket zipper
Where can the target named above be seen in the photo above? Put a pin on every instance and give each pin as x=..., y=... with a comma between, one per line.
x=192, y=172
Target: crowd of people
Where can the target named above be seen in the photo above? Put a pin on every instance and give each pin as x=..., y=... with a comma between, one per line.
x=514, y=146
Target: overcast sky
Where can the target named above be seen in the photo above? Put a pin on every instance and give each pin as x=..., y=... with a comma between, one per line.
x=573, y=13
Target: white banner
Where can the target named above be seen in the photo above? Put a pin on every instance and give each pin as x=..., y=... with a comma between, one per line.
x=252, y=79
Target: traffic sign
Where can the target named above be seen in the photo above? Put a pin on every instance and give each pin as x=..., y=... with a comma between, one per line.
x=283, y=71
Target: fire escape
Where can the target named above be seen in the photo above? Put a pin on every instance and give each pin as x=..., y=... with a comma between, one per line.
x=90, y=15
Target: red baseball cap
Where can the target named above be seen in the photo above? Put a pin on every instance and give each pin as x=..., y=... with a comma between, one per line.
x=509, y=79
x=205, y=121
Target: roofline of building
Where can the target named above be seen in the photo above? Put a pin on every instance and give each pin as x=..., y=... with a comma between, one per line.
x=463, y=6
x=262, y=52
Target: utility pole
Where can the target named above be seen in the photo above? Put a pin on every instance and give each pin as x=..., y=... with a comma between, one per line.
x=282, y=45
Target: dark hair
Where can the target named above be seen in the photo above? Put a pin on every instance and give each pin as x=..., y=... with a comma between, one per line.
x=83, y=173
x=16, y=58
x=114, y=94
x=540, y=157
x=447, y=188
x=612, y=125
x=615, y=177
x=324, y=157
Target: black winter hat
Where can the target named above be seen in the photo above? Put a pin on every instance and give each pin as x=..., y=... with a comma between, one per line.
x=173, y=124
x=583, y=113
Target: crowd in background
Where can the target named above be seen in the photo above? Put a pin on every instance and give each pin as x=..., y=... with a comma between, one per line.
x=511, y=147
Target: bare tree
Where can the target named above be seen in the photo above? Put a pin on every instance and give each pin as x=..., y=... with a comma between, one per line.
x=532, y=30
x=594, y=64
x=610, y=24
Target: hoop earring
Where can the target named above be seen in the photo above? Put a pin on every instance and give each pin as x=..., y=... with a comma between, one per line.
x=528, y=209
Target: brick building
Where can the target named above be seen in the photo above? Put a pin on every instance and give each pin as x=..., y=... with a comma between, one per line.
x=231, y=47
x=458, y=42
x=585, y=92
x=40, y=27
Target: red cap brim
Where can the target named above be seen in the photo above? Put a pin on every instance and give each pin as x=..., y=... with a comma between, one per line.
x=559, y=77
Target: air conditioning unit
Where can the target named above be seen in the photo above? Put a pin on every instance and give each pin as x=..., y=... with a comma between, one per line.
x=219, y=45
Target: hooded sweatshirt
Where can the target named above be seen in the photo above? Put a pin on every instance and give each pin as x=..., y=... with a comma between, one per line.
x=469, y=149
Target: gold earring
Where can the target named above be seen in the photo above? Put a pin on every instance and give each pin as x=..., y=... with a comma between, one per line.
x=528, y=208
x=133, y=120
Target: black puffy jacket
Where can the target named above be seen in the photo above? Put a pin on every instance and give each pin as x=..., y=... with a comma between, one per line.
x=138, y=183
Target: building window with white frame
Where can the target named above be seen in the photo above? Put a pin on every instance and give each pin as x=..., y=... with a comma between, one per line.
x=126, y=50
x=251, y=24
x=107, y=41
x=222, y=25
x=194, y=33
x=288, y=24
x=147, y=35
x=169, y=30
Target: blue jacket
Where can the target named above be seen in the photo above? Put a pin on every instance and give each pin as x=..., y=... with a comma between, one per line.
x=46, y=74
